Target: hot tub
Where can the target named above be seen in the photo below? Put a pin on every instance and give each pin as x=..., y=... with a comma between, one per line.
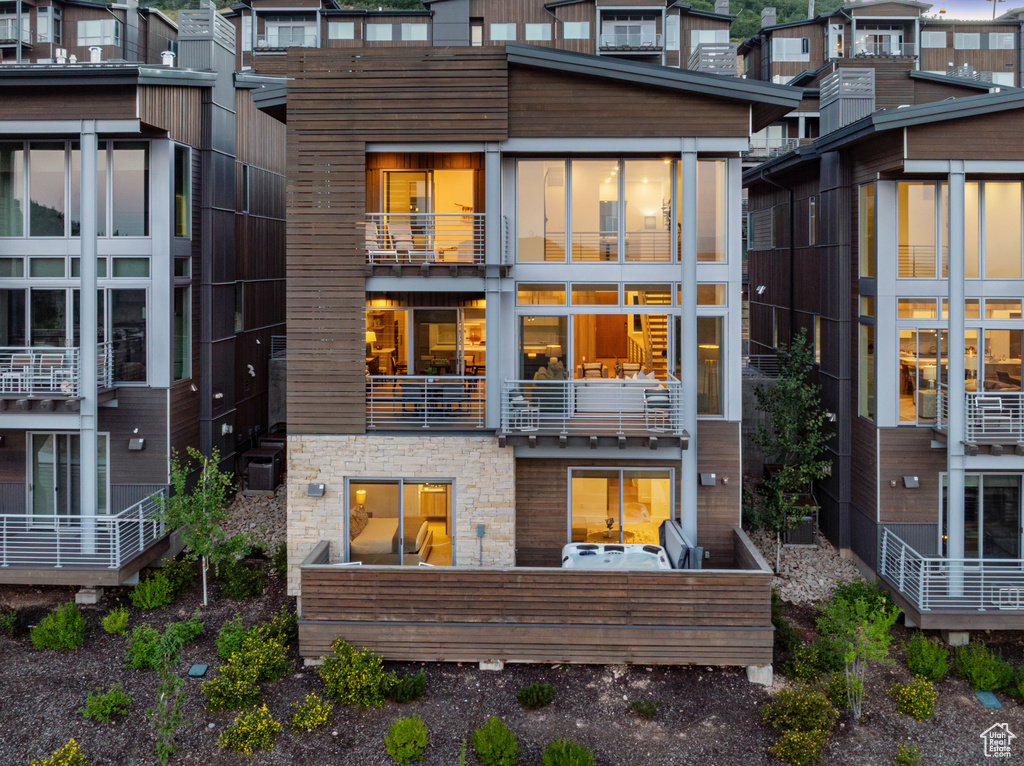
x=594, y=556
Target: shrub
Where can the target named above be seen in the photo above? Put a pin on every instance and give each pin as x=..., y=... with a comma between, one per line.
x=408, y=688
x=312, y=713
x=241, y=580
x=230, y=636
x=495, y=744
x=103, y=706
x=926, y=658
x=180, y=573
x=536, y=695
x=283, y=626
x=155, y=592
x=279, y=561
x=645, y=708
x=406, y=739
x=68, y=755
x=63, y=628
x=565, y=752
x=907, y=755
x=800, y=747
x=186, y=631
x=875, y=596
x=236, y=686
x=253, y=730
x=8, y=621
x=1016, y=687
x=982, y=668
x=267, y=656
x=838, y=694
x=355, y=676
x=801, y=708
x=787, y=639
x=916, y=698
x=142, y=647
x=115, y=621
x=823, y=655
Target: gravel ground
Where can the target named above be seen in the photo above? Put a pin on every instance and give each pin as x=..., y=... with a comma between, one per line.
x=262, y=515
x=807, y=573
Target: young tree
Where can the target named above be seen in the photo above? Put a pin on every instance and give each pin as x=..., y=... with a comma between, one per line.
x=166, y=714
x=197, y=514
x=796, y=438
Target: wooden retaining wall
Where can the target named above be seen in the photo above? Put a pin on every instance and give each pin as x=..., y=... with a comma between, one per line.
x=547, y=615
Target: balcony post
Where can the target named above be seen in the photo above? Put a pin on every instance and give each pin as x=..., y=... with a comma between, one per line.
x=493, y=250
x=688, y=333
x=87, y=345
x=957, y=390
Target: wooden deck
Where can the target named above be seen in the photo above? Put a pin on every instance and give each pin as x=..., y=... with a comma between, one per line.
x=954, y=618
x=544, y=615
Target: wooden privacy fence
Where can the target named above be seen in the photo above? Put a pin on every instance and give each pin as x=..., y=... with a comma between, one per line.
x=527, y=614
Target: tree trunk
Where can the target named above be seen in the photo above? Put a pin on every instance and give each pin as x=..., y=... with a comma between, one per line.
x=205, y=601
x=778, y=550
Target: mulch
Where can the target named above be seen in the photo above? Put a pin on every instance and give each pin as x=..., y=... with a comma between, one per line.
x=707, y=717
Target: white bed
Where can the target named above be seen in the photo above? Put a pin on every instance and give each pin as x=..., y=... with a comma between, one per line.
x=378, y=542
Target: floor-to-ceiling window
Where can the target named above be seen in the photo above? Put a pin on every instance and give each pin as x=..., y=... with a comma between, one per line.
x=619, y=505
x=992, y=516
x=402, y=522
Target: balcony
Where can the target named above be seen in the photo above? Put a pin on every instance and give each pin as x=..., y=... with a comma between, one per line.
x=761, y=366
x=47, y=373
x=410, y=402
x=883, y=50
x=9, y=32
x=630, y=42
x=990, y=417
x=592, y=407
x=714, y=58
x=287, y=37
x=425, y=240
x=80, y=549
x=952, y=593
x=766, y=148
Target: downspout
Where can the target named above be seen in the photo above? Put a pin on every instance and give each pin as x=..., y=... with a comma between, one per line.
x=558, y=26
x=792, y=251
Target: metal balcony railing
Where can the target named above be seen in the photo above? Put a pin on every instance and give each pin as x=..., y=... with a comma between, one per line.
x=592, y=406
x=425, y=238
x=630, y=41
x=404, y=402
x=766, y=148
x=9, y=32
x=932, y=583
x=288, y=37
x=989, y=416
x=714, y=58
x=278, y=346
x=32, y=540
x=761, y=365
x=866, y=49
x=53, y=371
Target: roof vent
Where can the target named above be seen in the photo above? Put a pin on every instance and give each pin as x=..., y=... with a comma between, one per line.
x=95, y=54
x=167, y=58
x=61, y=54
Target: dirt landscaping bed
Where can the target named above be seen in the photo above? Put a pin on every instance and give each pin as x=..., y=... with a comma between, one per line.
x=707, y=716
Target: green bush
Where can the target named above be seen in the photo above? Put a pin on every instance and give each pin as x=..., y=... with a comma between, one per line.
x=835, y=688
x=926, y=658
x=115, y=621
x=1016, y=687
x=982, y=668
x=180, y=573
x=279, y=562
x=800, y=747
x=64, y=628
x=186, y=631
x=823, y=655
x=236, y=686
x=239, y=580
x=787, y=638
x=406, y=739
x=155, y=592
x=104, y=705
x=875, y=596
x=408, y=688
x=230, y=636
x=253, y=730
x=267, y=656
x=495, y=744
x=283, y=626
x=312, y=713
x=565, y=752
x=68, y=755
x=536, y=695
x=355, y=676
x=907, y=754
x=800, y=708
x=916, y=698
x=8, y=621
x=645, y=708
x=144, y=642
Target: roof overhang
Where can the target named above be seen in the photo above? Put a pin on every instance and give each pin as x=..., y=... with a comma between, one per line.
x=272, y=98
x=36, y=75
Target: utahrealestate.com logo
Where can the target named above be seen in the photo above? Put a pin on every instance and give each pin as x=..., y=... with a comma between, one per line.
x=997, y=740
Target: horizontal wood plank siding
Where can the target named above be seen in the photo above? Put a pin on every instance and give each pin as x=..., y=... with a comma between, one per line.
x=907, y=452
x=718, y=507
x=114, y=102
x=960, y=138
x=141, y=412
x=539, y=615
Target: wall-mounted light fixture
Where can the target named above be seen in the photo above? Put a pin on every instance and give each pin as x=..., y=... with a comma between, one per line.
x=911, y=482
x=136, y=445
x=761, y=288
x=218, y=395
x=315, y=490
x=194, y=389
x=226, y=428
x=708, y=479
x=830, y=417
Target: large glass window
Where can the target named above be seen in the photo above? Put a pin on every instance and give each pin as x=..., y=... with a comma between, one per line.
x=182, y=191
x=130, y=171
x=595, y=210
x=709, y=365
x=541, y=210
x=182, y=333
x=290, y=30
x=12, y=189
x=791, y=49
x=648, y=208
x=866, y=372
x=866, y=230
x=543, y=339
x=46, y=190
x=12, y=318
x=711, y=206
x=972, y=229
x=401, y=522
x=99, y=32
x=128, y=333
x=917, y=229
x=992, y=516
x=576, y=30
x=618, y=505
x=1002, y=230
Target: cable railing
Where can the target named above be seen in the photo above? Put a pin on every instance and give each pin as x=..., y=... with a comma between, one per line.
x=932, y=583
x=989, y=416
x=425, y=238
x=404, y=402
x=918, y=261
x=79, y=540
x=592, y=406
x=50, y=370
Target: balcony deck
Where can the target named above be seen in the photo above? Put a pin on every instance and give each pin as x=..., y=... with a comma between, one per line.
x=81, y=550
x=46, y=378
x=990, y=417
x=412, y=402
x=426, y=243
x=543, y=615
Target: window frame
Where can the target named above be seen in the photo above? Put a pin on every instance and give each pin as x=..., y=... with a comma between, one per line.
x=673, y=489
x=506, y=27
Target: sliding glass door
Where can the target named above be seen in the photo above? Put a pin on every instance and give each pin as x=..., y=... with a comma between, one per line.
x=618, y=505
x=55, y=476
x=992, y=516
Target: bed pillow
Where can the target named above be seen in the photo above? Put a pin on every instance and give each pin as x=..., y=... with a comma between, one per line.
x=413, y=539
x=357, y=523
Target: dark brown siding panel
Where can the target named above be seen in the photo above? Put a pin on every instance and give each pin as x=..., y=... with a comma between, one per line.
x=176, y=110
x=115, y=102
x=718, y=507
x=959, y=138
x=184, y=417
x=144, y=409
x=864, y=466
x=902, y=452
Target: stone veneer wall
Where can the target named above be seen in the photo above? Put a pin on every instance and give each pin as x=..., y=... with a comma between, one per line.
x=484, y=489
